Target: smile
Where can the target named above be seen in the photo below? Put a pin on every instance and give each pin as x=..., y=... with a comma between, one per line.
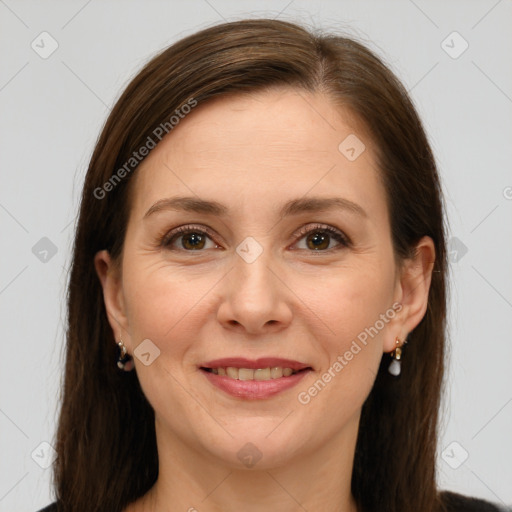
x=259, y=374
x=254, y=379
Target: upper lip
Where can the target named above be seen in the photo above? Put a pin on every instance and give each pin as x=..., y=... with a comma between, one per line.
x=263, y=362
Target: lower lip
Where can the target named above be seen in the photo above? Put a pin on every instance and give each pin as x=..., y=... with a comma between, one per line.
x=254, y=389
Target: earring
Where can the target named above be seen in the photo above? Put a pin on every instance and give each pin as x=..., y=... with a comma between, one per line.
x=124, y=360
x=396, y=364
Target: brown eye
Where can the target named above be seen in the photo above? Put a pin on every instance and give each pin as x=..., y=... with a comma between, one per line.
x=318, y=240
x=192, y=239
x=319, y=237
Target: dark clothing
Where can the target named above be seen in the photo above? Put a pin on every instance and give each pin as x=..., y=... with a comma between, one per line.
x=50, y=508
x=459, y=503
x=454, y=503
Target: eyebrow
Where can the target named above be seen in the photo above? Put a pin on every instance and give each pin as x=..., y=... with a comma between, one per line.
x=292, y=207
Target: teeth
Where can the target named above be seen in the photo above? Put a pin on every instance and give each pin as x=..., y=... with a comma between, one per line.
x=262, y=374
x=232, y=372
x=276, y=372
x=245, y=374
x=254, y=374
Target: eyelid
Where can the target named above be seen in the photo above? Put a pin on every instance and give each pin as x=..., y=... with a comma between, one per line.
x=185, y=229
x=342, y=239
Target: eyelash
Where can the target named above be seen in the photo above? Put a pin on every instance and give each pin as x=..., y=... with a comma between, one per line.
x=340, y=237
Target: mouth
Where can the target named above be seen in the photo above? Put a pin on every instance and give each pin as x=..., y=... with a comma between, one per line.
x=260, y=374
x=258, y=379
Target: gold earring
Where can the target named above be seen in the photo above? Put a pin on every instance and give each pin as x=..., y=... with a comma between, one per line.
x=124, y=360
x=395, y=367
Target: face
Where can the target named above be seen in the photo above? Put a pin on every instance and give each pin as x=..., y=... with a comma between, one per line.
x=263, y=273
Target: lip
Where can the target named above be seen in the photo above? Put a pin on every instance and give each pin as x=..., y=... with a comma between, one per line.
x=263, y=362
x=254, y=389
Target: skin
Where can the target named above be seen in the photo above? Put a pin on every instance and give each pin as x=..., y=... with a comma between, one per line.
x=253, y=153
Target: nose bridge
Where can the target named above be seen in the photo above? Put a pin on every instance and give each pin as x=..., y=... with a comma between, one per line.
x=253, y=263
x=254, y=297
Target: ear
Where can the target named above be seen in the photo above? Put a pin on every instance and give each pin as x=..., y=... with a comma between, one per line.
x=412, y=289
x=111, y=282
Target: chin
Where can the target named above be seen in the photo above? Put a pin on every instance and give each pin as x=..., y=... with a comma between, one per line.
x=258, y=445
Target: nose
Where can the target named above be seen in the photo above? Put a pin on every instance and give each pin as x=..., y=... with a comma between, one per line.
x=255, y=298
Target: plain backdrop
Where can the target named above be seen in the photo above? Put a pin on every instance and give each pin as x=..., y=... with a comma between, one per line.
x=53, y=107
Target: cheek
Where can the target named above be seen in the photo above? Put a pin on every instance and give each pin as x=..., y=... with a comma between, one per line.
x=355, y=309
x=353, y=302
x=161, y=304
x=350, y=310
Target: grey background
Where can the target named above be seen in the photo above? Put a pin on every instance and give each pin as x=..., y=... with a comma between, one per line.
x=53, y=109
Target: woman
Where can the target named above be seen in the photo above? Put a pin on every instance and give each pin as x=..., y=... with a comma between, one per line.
x=257, y=298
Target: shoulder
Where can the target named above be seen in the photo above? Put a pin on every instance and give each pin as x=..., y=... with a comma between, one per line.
x=455, y=502
x=50, y=508
x=452, y=501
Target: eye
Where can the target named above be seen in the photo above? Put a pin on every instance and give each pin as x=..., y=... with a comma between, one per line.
x=319, y=236
x=192, y=238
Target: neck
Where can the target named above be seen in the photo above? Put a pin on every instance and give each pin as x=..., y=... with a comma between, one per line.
x=194, y=482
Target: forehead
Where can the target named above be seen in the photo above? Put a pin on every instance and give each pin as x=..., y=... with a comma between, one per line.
x=276, y=120
x=262, y=147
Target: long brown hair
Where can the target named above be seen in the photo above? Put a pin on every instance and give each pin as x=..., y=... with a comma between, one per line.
x=106, y=446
